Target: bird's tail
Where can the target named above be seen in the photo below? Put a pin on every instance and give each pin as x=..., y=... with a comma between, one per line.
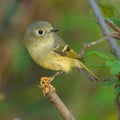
x=90, y=75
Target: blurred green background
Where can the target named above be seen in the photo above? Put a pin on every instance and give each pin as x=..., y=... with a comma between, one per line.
x=20, y=96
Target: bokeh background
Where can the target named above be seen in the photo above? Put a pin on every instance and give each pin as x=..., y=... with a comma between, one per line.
x=20, y=96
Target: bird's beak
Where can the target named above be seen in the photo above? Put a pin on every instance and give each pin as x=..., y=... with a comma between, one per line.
x=53, y=30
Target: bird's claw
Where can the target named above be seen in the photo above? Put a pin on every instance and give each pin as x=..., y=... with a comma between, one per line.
x=45, y=84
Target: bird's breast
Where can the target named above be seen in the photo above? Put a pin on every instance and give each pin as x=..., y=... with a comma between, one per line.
x=48, y=59
x=44, y=56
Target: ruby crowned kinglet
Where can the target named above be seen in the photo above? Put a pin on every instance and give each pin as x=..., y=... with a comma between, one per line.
x=49, y=51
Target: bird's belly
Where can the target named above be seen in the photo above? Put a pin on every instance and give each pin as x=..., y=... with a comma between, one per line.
x=52, y=61
x=57, y=63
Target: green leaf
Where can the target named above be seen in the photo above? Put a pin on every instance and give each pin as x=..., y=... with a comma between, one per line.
x=107, y=9
x=99, y=54
x=117, y=90
x=109, y=63
x=114, y=66
x=115, y=21
x=111, y=82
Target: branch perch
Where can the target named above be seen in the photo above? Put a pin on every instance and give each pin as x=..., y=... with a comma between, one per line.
x=100, y=19
x=114, y=46
x=88, y=45
x=49, y=91
x=57, y=102
x=115, y=34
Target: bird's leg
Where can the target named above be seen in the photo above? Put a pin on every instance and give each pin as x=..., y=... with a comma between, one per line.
x=45, y=82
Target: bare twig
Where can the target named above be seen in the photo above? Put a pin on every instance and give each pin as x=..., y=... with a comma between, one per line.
x=49, y=91
x=112, y=25
x=88, y=45
x=114, y=46
x=115, y=34
x=57, y=102
x=100, y=19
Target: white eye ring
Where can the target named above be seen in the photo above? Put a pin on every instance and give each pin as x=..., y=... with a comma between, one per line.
x=40, y=32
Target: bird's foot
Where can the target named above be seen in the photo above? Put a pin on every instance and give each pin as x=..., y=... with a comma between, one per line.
x=45, y=83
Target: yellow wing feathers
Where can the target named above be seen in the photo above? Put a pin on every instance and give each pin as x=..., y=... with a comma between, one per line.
x=87, y=72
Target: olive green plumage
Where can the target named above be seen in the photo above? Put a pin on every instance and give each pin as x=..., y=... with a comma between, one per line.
x=49, y=51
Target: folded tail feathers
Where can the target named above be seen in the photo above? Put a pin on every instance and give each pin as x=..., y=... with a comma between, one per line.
x=90, y=75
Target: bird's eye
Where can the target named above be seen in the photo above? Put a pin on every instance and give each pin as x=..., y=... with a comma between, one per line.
x=40, y=32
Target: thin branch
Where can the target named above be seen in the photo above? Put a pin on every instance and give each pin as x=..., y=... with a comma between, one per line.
x=112, y=25
x=88, y=45
x=57, y=102
x=49, y=91
x=114, y=46
x=100, y=19
x=115, y=34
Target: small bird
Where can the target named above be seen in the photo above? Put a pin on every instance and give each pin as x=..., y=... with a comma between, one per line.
x=48, y=50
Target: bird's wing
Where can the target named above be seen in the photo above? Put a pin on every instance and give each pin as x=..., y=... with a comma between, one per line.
x=61, y=48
